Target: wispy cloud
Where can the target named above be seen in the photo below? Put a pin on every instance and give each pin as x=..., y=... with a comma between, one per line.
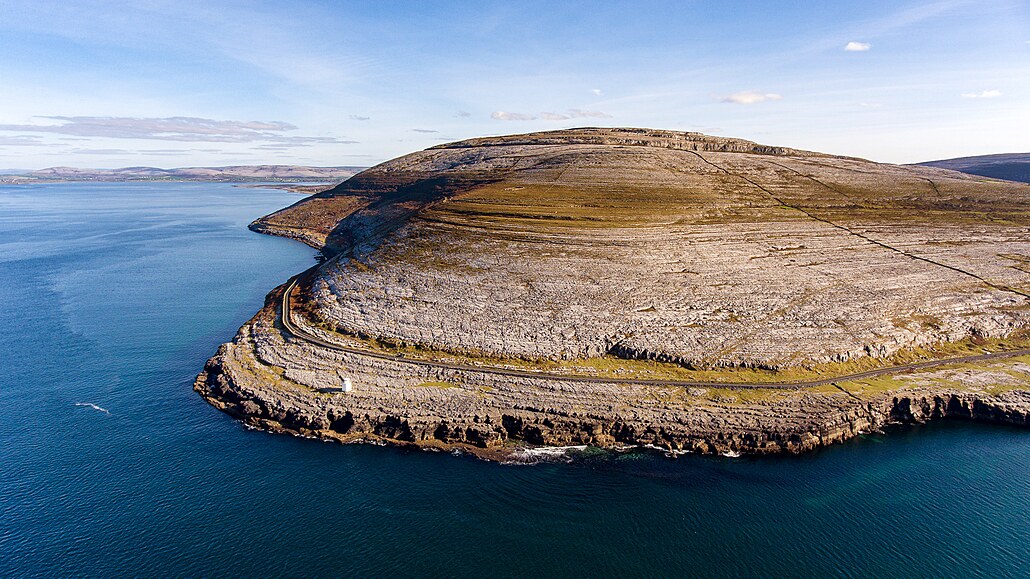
x=597, y=91
x=749, y=97
x=425, y=131
x=188, y=129
x=984, y=94
x=22, y=141
x=102, y=152
x=272, y=147
x=577, y=113
x=857, y=46
x=359, y=118
x=166, y=151
x=509, y=116
x=548, y=116
x=462, y=114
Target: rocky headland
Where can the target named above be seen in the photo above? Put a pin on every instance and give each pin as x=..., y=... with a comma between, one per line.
x=618, y=287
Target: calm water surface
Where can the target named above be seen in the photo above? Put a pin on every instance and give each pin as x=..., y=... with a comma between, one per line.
x=115, y=295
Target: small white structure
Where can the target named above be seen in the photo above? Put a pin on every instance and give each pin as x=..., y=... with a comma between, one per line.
x=347, y=385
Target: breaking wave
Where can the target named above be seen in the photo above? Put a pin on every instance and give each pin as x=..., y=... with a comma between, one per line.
x=545, y=453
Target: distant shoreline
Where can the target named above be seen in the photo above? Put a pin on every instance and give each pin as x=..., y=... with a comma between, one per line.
x=305, y=189
x=288, y=175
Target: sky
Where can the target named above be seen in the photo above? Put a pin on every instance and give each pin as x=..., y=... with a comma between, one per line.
x=179, y=83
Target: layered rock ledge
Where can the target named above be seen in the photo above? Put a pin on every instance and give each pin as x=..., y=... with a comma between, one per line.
x=274, y=381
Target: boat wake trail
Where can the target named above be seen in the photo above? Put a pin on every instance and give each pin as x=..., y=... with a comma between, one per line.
x=93, y=406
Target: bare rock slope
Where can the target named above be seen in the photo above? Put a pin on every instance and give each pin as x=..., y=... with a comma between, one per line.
x=633, y=247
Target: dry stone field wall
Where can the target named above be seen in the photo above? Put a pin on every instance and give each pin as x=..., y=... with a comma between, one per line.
x=677, y=247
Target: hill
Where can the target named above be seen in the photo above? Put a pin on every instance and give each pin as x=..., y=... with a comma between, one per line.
x=1009, y=166
x=637, y=258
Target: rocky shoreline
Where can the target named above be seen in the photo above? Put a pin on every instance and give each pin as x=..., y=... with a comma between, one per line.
x=273, y=381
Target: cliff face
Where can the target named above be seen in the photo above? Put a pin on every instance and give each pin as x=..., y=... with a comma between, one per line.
x=635, y=253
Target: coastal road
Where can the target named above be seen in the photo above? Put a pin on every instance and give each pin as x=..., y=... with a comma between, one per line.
x=290, y=327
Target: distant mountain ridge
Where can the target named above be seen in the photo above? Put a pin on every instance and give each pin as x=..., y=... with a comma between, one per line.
x=1008, y=166
x=230, y=173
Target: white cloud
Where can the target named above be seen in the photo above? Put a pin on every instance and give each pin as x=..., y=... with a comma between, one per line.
x=186, y=129
x=577, y=113
x=507, y=116
x=597, y=91
x=165, y=151
x=548, y=116
x=857, y=46
x=359, y=118
x=985, y=94
x=750, y=97
x=463, y=114
x=101, y=151
x=22, y=141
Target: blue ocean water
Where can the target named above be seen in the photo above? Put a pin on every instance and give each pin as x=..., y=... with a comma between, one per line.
x=114, y=295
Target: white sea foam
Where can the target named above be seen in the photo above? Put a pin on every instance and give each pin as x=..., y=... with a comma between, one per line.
x=552, y=450
x=731, y=454
x=545, y=453
x=93, y=406
x=667, y=451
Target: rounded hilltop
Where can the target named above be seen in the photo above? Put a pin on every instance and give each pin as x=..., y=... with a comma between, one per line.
x=680, y=247
x=638, y=286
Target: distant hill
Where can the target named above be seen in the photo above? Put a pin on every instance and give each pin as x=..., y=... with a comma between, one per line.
x=236, y=173
x=1010, y=166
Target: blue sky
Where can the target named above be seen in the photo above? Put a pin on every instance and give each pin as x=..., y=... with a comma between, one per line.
x=180, y=83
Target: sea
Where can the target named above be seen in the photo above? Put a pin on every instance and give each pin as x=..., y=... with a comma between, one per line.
x=114, y=295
